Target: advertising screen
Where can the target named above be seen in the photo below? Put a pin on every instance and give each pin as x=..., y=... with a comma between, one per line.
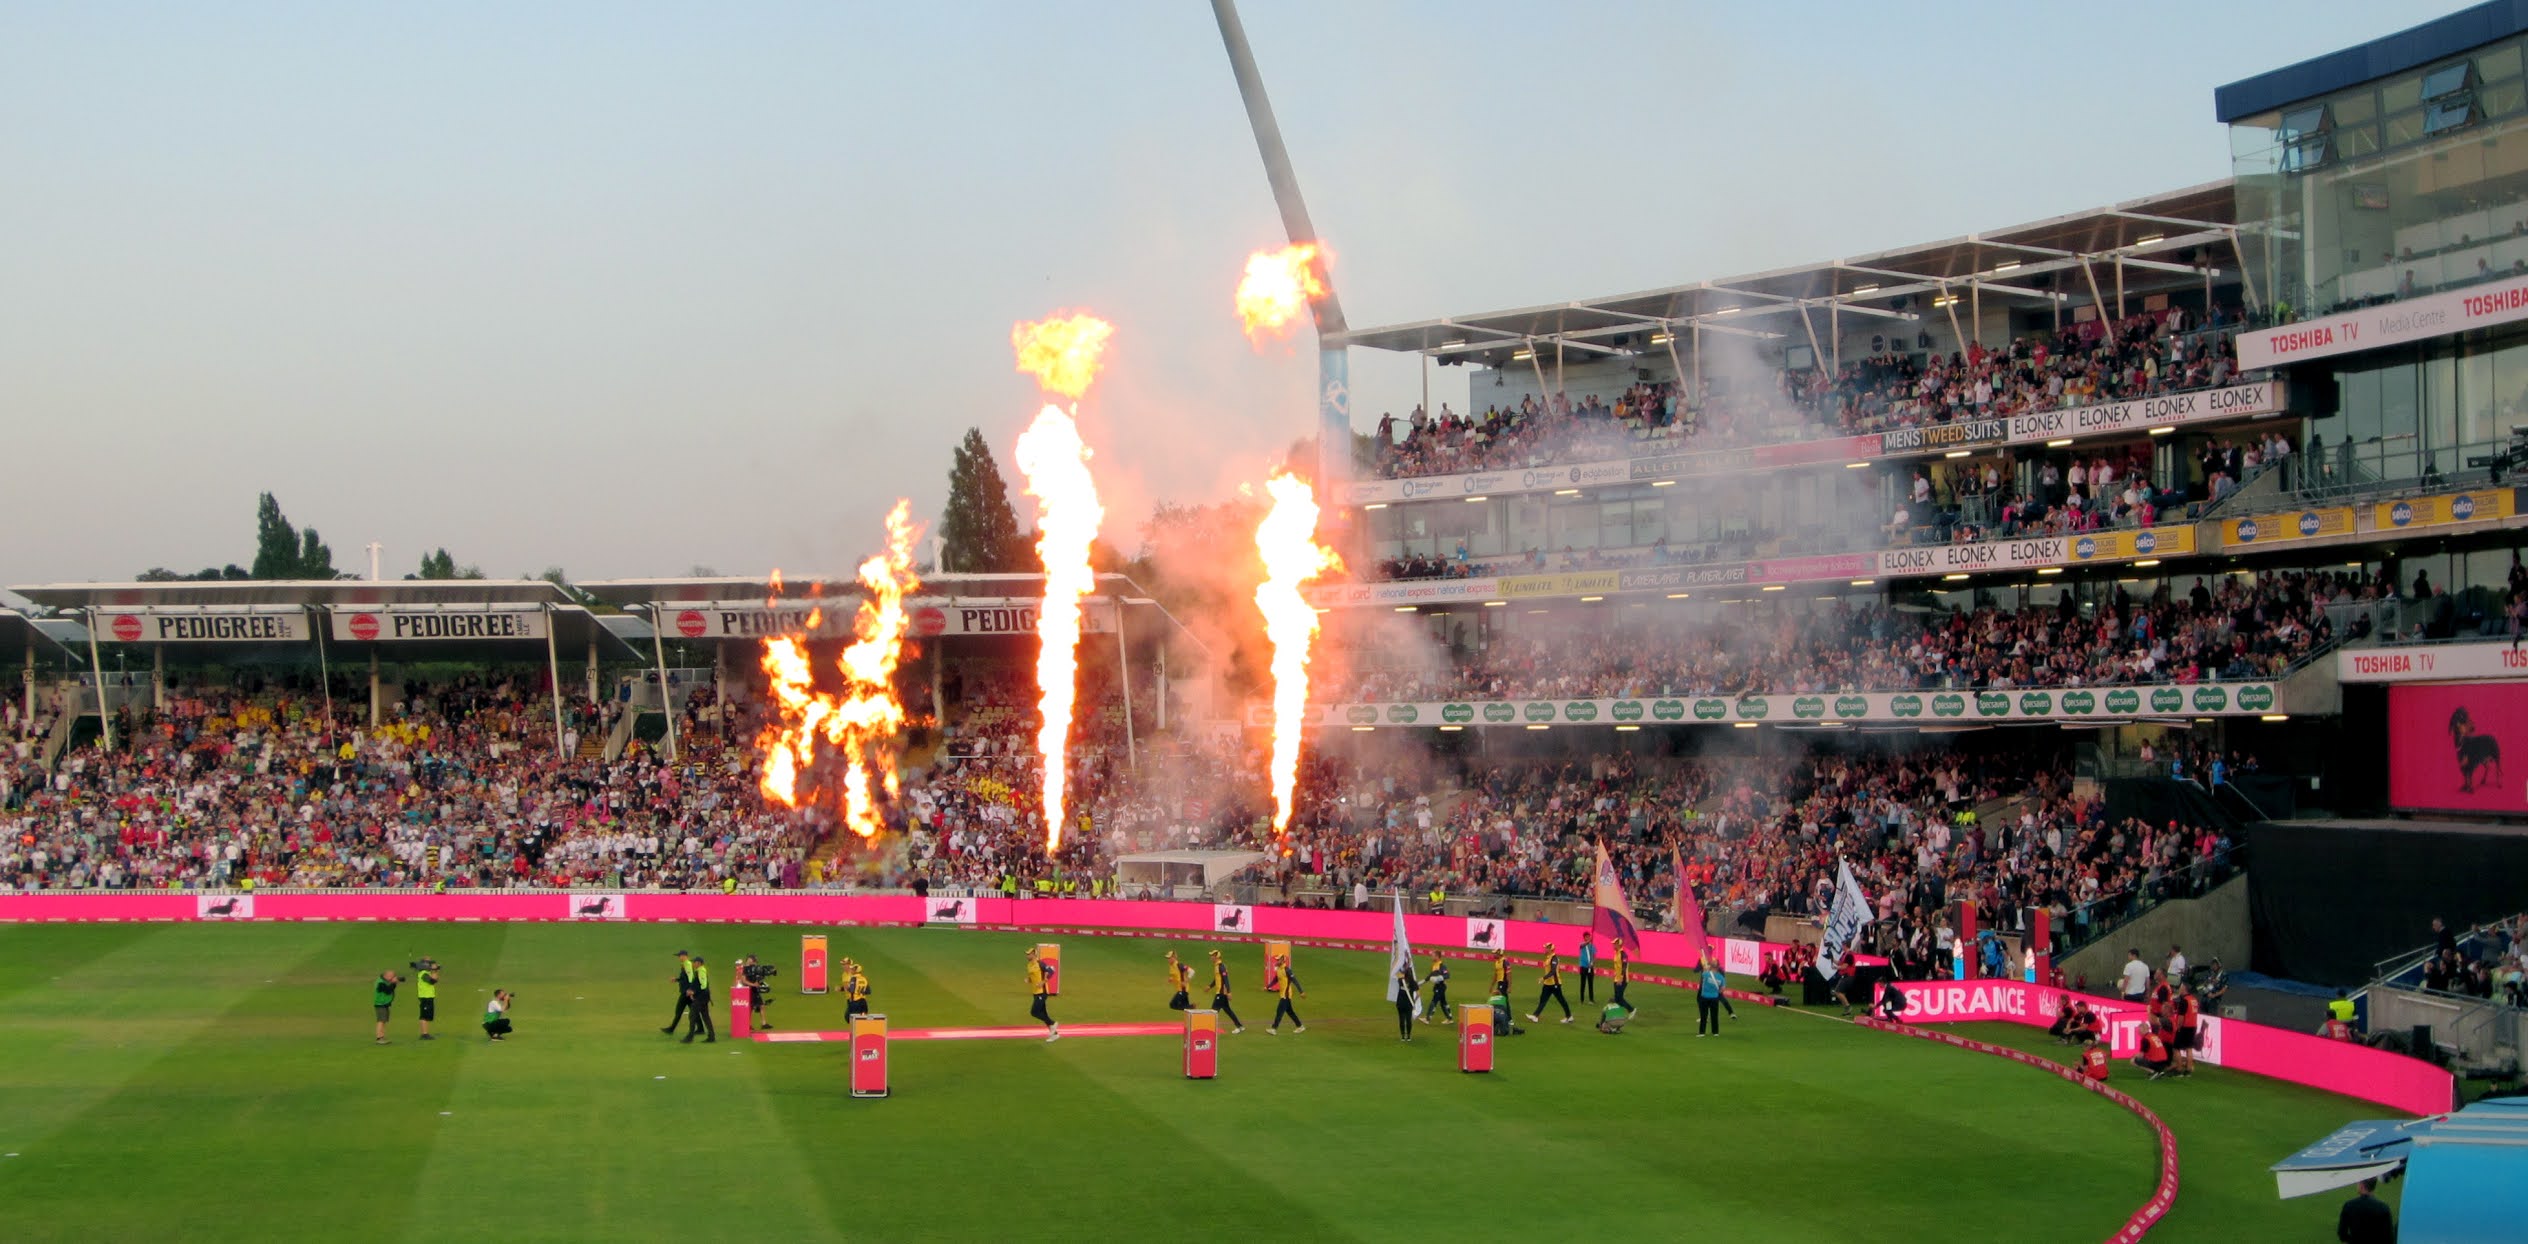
x=2447, y=743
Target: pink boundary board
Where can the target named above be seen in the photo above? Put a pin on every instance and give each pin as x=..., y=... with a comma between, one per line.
x=2355, y=1071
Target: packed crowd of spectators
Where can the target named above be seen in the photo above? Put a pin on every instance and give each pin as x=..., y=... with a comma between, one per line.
x=1755, y=836
x=463, y=786
x=2142, y=355
x=2233, y=627
x=459, y=785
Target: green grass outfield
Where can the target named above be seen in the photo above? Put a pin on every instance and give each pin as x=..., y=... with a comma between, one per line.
x=180, y=1082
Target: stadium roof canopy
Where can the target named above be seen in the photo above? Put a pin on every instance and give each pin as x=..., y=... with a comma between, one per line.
x=22, y=636
x=409, y=619
x=1014, y=587
x=250, y=593
x=2133, y=248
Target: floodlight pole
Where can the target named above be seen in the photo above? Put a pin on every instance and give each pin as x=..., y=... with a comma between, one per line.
x=1334, y=388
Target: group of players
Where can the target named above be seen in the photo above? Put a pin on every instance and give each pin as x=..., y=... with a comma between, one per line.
x=2169, y=1041
x=1409, y=992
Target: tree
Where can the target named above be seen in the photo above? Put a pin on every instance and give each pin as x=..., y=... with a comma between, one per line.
x=230, y=573
x=276, y=541
x=979, y=533
x=285, y=552
x=440, y=565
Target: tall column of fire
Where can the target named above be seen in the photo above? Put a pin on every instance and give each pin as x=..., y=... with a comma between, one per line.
x=1063, y=354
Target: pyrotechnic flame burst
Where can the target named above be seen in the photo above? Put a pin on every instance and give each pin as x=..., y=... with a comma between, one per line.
x=1288, y=540
x=1062, y=353
x=1278, y=286
x=861, y=724
x=1055, y=462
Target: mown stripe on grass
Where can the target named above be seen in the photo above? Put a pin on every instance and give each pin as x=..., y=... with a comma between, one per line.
x=573, y=1117
x=276, y=1085
x=71, y=1046
x=56, y=964
x=1037, y=1143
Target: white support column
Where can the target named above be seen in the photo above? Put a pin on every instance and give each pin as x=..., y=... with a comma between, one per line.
x=2119, y=286
x=96, y=667
x=592, y=668
x=666, y=700
x=2246, y=278
x=1975, y=310
x=158, y=678
x=1834, y=337
x=553, y=672
x=1123, y=672
x=30, y=685
x=377, y=701
x=1536, y=365
x=1955, y=332
x=938, y=686
x=325, y=683
x=1163, y=688
x=2096, y=299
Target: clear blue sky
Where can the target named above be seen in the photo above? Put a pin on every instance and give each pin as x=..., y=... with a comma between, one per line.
x=631, y=287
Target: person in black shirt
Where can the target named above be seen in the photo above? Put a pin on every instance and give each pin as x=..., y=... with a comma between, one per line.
x=1406, y=990
x=684, y=992
x=2365, y=1218
x=698, y=1003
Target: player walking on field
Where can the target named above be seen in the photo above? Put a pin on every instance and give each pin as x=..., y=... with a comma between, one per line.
x=855, y=990
x=1501, y=973
x=1180, y=982
x=1036, y=986
x=1220, y=992
x=1286, y=987
x=1552, y=990
x=1621, y=973
x=1438, y=978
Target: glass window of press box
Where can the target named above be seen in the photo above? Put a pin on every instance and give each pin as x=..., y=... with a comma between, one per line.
x=1689, y=520
x=2401, y=186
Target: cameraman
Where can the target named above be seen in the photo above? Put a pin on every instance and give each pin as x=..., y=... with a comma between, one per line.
x=757, y=975
x=426, y=992
x=496, y=1015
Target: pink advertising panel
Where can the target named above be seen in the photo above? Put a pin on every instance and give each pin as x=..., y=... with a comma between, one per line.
x=2447, y=743
x=2408, y=1084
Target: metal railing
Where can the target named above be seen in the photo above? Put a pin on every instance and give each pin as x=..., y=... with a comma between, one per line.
x=2094, y=920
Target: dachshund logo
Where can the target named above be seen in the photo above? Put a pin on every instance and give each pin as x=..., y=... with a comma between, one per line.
x=1230, y=919
x=598, y=907
x=225, y=907
x=954, y=910
x=1483, y=935
x=233, y=907
x=2476, y=752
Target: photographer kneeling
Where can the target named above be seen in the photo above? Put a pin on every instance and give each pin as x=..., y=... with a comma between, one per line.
x=1892, y=1004
x=496, y=1015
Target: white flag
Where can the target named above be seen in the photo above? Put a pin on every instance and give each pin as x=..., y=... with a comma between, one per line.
x=1844, y=921
x=1400, y=959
